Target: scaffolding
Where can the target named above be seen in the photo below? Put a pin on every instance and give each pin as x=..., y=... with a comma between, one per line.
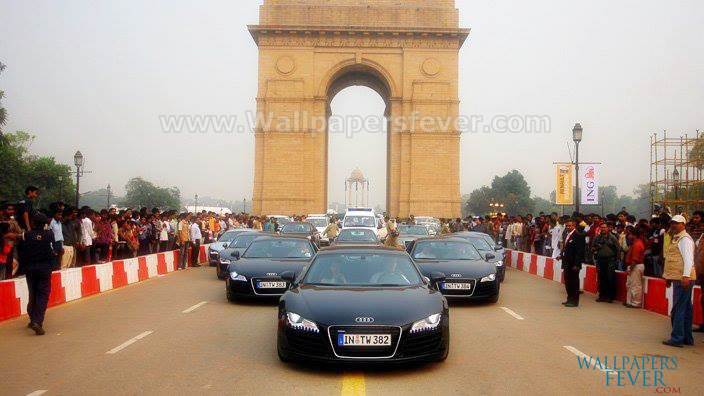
x=676, y=175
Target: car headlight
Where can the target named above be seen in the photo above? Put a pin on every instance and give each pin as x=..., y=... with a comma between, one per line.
x=429, y=323
x=235, y=276
x=297, y=322
x=489, y=278
x=499, y=263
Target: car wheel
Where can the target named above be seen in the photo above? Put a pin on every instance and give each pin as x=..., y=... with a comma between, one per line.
x=282, y=356
x=230, y=295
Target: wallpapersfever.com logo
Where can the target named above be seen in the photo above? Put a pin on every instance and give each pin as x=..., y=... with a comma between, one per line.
x=647, y=371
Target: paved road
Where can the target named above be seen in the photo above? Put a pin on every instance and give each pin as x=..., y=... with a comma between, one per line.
x=178, y=335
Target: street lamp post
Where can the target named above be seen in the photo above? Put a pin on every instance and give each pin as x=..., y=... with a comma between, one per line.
x=577, y=137
x=78, y=160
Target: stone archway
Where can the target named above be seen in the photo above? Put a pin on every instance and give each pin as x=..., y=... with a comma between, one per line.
x=311, y=49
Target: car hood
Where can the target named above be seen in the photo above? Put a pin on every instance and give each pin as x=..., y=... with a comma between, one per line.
x=264, y=266
x=393, y=306
x=466, y=268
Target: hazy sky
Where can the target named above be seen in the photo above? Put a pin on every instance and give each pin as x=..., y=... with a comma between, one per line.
x=96, y=76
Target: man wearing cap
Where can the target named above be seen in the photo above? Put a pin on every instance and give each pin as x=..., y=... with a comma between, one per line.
x=679, y=272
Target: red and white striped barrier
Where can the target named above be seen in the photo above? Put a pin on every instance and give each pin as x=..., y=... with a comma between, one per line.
x=657, y=297
x=74, y=283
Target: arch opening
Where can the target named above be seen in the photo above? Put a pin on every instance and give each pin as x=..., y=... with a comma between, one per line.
x=357, y=139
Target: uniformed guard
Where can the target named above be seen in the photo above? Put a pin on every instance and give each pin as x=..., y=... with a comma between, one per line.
x=36, y=256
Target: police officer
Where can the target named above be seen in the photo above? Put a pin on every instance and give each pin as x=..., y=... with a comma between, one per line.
x=36, y=256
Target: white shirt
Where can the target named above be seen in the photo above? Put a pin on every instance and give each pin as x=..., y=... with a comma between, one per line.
x=87, y=232
x=195, y=233
x=164, y=234
x=686, y=246
x=58, y=233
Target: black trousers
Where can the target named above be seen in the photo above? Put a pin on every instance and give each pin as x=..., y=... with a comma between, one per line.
x=195, y=252
x=606, y=269
x=39, y=286
x=572, y=284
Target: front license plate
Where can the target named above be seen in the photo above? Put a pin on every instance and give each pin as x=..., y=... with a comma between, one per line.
x=363, y=340
x=271, y=285
x=457, y=286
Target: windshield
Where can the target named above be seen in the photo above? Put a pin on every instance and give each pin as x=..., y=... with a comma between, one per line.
x=243, y=241
x=359, y=235
x=481, y=244
x=318, y=222
x=296, y=228
x=362, y=269
x=228, y=236
x=412, y=230
x=279, y=248
x=445, y=250
x=359, y=221
x=490, y=241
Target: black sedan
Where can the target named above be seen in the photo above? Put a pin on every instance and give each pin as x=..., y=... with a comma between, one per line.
x=487, y=250
x=356, y=236
x=368, y=304
x=467, y=274
x=303, y=230
x=234, y=250
x=257, y=272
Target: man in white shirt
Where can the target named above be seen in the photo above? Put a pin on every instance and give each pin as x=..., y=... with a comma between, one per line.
x=196, y=237
x=679, y=272
x=55, y=226
x=87, y=234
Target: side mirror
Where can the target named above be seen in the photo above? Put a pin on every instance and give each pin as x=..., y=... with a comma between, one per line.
x=426, y=279
x=498, y=247
x=235, y=255
x=225, y=245
x=490, y=256
x=437, y=277
x=501, y=244
x=379, y=227
x=288, y=276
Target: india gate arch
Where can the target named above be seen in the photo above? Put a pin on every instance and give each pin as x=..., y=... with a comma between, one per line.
x=405, y=50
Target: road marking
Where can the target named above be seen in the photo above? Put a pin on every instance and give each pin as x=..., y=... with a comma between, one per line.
x=591, y=361
x=510, y=312
x=37, y=392
x=353, y=384
x=193, y=308
x=128, y=343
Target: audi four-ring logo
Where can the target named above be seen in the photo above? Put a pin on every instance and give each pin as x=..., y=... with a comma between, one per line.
x=456, y=275
x=271, y=274
x=364, y=319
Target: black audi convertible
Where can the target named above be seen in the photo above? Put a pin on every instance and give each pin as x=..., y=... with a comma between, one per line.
x=467, y=274
x=369, y=304
x=256, y=273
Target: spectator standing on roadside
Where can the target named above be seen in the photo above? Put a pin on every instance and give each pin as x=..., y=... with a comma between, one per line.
x=70, y=229
x=37, y=258
x=87, y=235
x=572, y=257
x=25, y=208
x=699, y=267
x=605, y=251
x=57, y=228
x=679, y=272
x=7, y=213
x=7, y=239
x=183, y=239
x=164, y=234
x=635, y=268
x=195, y=237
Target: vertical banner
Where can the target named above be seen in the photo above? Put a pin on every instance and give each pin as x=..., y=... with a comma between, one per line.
x=589, y=184
x=563, y=186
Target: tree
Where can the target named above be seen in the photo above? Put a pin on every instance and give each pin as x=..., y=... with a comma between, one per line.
x=696, y=155
x=142, y=193
x=19, y=168
x=512, y=190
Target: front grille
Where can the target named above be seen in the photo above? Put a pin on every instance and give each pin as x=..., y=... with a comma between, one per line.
x=421, y=343
x=365, y=352
x=307, y=343
x=464, y=292
x=267, y=292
